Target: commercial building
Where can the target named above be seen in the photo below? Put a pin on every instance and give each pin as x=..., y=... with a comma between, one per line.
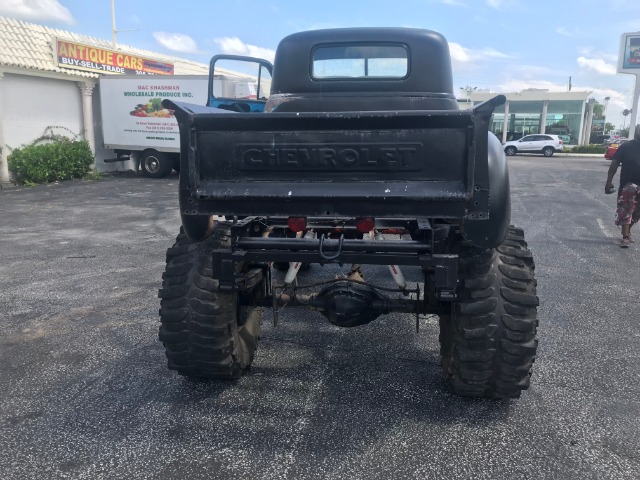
x=532, y=111
x=49, y=78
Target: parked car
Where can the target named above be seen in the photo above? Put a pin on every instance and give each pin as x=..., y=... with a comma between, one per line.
x=540, y=143
x=613, y=147
x=613, y=139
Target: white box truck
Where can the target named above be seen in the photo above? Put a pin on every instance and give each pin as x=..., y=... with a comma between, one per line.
x=136, y=126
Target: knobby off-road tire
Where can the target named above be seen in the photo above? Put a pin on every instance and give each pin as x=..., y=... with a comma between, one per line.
x=488, y=343
x=206, y=334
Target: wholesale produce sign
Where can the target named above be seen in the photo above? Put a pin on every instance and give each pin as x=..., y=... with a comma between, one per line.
x=94, y=59
x=132, y=111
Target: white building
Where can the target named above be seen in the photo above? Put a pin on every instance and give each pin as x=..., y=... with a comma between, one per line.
x=539, y=111
x=38, y=90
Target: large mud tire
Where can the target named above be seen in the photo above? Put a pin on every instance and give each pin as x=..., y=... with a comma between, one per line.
x=488, y=343
x=206, y=334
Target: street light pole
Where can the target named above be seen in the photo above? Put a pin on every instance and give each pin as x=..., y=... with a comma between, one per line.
x=113, y=24
x=114, y=30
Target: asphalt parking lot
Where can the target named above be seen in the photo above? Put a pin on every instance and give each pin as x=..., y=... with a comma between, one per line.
x=85, y=393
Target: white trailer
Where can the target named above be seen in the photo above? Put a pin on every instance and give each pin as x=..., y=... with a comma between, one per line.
x=136, y=126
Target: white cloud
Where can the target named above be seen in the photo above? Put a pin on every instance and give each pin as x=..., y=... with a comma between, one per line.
x=458, y=53
x=38, y=10
x=597, y=65
x=533, y=71
x=322, y=26
x=611, y=57
x=593, y=52
x=507, y=5
x=493, y=53
x=618, y=101
x=564, y=31
x=461, y=55
x=235, y=46
x=585, y=50
x=454, y=3
x=177, y=42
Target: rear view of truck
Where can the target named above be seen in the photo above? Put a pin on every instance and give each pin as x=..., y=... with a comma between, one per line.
x=358, y=156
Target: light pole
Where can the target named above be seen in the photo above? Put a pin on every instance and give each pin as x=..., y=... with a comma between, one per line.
x=113, y=24
x=114, y=30
x=604, y=123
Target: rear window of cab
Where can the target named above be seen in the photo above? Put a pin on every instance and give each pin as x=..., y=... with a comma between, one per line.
x=360, y=61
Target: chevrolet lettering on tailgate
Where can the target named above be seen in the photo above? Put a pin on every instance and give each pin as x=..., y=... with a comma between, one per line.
x=336, y=157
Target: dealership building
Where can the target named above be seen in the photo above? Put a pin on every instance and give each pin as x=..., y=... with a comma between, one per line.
x=534, y=110
x=50, y=78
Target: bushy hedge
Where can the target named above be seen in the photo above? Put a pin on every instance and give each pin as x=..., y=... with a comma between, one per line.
x=588, y=149
x=62, y=159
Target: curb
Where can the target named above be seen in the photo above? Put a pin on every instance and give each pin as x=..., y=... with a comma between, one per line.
x=580, y=154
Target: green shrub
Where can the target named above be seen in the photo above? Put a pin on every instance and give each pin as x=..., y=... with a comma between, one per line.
x=589, y=149
x=63, y=159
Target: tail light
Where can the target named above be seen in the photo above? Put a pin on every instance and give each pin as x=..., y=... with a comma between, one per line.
x=297, y=224
x=365, y=224
x=560, y=142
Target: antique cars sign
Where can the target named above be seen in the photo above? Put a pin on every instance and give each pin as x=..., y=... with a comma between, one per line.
x=95, y=59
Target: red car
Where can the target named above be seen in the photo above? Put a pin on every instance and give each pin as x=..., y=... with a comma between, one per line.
x=613, y=147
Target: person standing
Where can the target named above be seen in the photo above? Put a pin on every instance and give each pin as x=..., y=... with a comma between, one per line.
x=628, y=209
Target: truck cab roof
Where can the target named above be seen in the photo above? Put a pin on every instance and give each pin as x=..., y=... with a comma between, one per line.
x=417, y=62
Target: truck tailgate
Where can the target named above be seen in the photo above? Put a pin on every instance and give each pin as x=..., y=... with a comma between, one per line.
x=406, y=163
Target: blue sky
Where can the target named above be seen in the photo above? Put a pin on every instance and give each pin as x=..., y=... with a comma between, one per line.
x=501, y=45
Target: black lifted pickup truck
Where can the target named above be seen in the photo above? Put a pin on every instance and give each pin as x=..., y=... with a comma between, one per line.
x=351, y=150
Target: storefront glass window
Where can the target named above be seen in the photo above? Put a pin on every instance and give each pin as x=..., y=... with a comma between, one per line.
x=525, y=117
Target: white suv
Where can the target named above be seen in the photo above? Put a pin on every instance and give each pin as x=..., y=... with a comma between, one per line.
x=539, y=143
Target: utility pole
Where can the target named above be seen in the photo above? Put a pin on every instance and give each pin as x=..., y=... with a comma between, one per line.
x=114, y=30
x=113, y=24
